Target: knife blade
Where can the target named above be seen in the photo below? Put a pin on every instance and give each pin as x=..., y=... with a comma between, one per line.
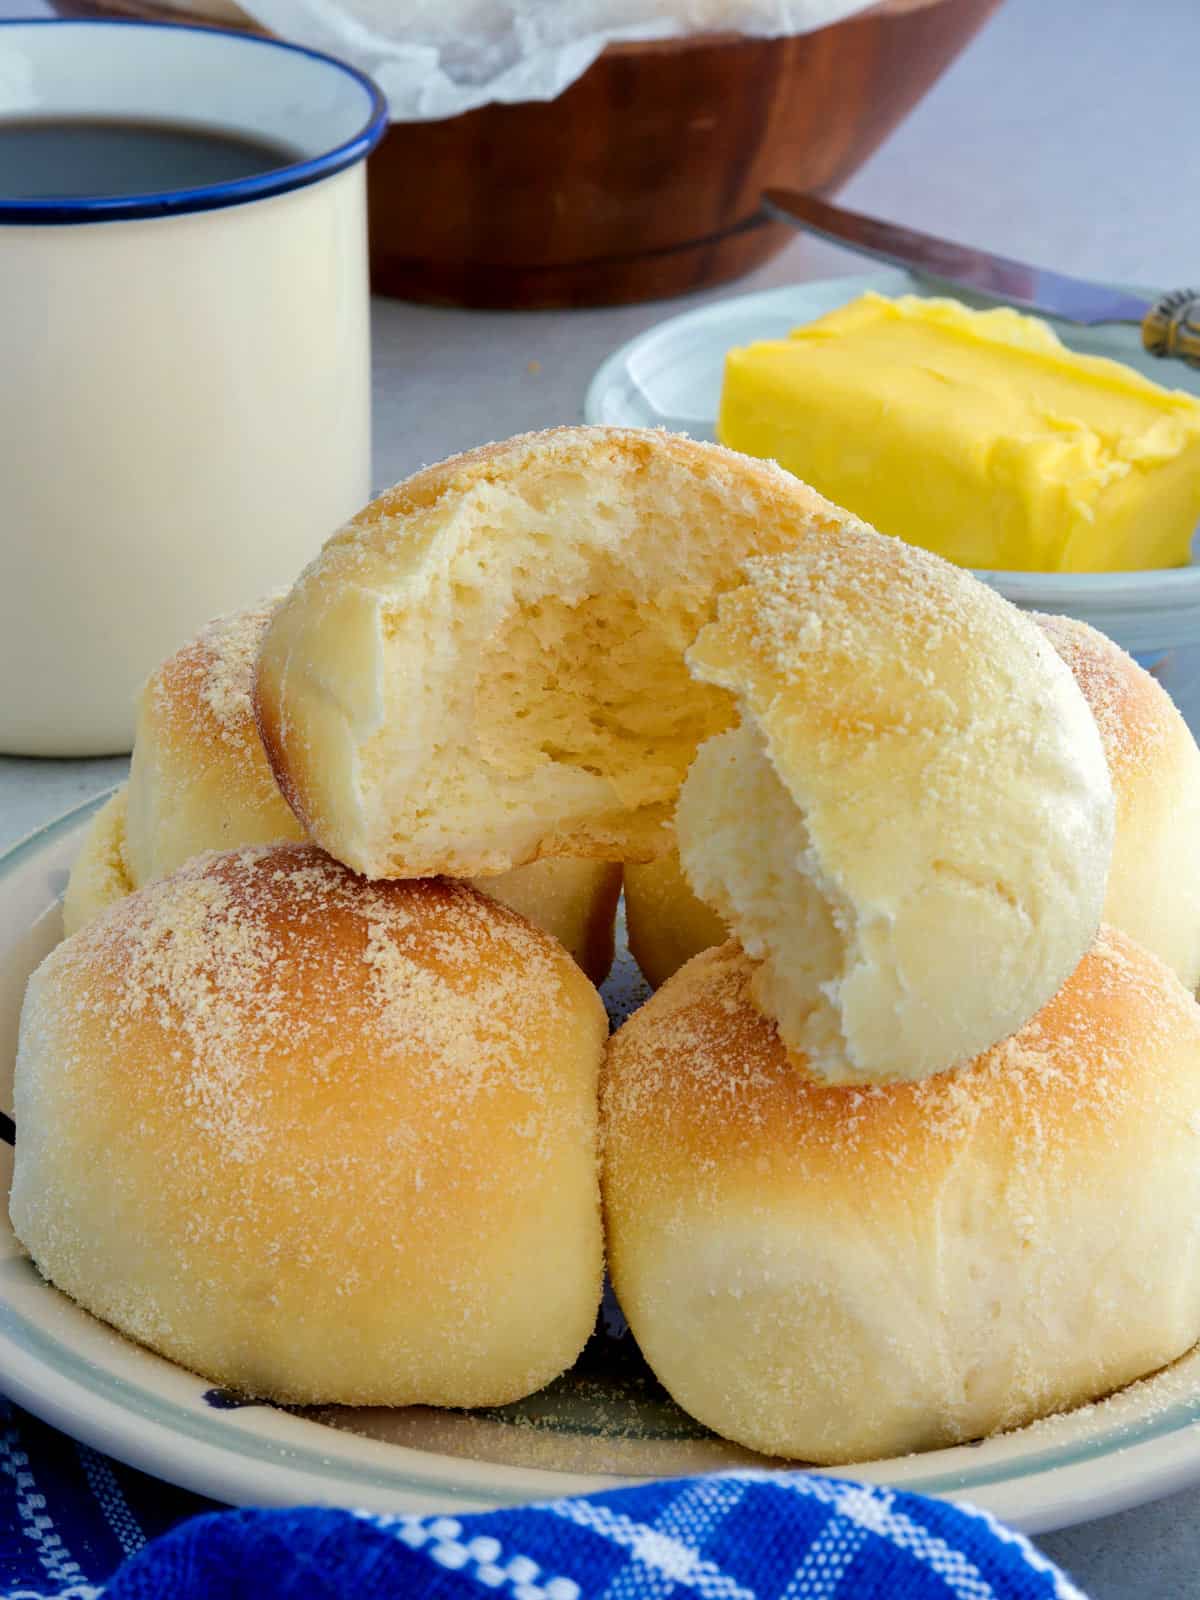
x=1170, y=325
x=959, y=266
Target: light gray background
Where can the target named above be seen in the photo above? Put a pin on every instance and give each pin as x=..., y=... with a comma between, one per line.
x=1066, y=135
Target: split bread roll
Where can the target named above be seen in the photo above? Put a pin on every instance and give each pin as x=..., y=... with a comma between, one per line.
x=317, y=1139
x=1153, y=890
x=486, y=665
x=199, y=781
x=834, y=1274
x=910, y=830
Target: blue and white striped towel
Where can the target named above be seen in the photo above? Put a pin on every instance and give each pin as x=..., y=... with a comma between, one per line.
x=75, y=1526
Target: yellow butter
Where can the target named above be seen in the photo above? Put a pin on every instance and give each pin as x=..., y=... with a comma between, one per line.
x=976, y=434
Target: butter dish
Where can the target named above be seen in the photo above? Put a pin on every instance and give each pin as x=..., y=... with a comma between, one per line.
x=977, y=434
x=670, y=377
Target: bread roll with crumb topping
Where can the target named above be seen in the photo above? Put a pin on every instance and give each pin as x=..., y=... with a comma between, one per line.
x=910, y=830
x=99, y=876
x=1153, y=890
x=666, y=921
x=576, y=901
x=1154, y=882
x=836, y=1274
x=485, y=667
x=200, y=781
x=317, y=1139
x=199, y=778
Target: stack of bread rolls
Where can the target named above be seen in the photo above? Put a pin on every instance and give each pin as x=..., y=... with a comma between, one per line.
x=314, y=1098
x=894, y=1214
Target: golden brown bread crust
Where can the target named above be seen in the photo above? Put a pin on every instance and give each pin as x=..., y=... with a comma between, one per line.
x=457, y=475
x=575, y=900
x=835, y=1273
x=199, y=779
x=99, y=877
x=1154, y=881
x=317, y=1139
x=350, y=696
x=1132, y=710
x=667, y=923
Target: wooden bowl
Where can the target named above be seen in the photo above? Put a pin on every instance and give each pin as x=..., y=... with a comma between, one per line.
x=642, y=179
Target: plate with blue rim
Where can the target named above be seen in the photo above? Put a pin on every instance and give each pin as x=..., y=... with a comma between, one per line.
x=605, y=1422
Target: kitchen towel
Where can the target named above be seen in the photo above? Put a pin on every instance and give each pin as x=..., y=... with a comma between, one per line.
x=77, y=1526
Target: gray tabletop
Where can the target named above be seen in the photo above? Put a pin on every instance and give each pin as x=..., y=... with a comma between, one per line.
x=1064, y=135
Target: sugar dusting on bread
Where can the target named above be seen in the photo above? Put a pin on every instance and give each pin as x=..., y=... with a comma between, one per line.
x=219, y=954
x=905, y=1266
x=317, y=1138
x=701, y=1057
x=210, y=680
x=786, y=626
x=1131, y=709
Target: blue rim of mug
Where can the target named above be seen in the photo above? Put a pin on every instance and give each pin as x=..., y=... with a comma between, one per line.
x=212, y=196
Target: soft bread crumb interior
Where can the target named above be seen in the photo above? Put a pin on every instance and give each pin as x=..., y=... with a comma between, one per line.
x=566, y=683
x=550, y=712
x=767, y=882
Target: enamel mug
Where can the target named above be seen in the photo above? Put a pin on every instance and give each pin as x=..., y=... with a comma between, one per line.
x=184, y=374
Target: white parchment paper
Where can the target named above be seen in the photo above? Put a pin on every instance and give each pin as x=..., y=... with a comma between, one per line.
x=436, y=58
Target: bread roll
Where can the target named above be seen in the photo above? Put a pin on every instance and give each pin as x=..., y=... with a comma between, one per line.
x=1153, y=889
x=200, y=781
x=317, y=1139
x=835, y=1274
x=667, y=924
x=486, y=666
x=910, y=830
x=1154, y=881
x=576, y=901
x=100, y=875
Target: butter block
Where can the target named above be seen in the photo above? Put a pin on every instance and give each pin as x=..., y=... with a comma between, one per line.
x=976, y=434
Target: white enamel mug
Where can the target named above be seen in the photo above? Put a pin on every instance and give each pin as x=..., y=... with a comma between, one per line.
x=184, y=376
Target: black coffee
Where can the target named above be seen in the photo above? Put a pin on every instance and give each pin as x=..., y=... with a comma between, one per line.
x=55, y=158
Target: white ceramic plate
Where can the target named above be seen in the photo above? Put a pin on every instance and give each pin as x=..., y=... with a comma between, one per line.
x=670, y=375
x=604, y=1423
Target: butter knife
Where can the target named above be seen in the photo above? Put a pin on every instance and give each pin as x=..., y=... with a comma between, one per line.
x=1170, y=324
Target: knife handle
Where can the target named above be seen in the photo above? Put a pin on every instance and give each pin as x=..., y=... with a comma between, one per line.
x=1171, y=327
